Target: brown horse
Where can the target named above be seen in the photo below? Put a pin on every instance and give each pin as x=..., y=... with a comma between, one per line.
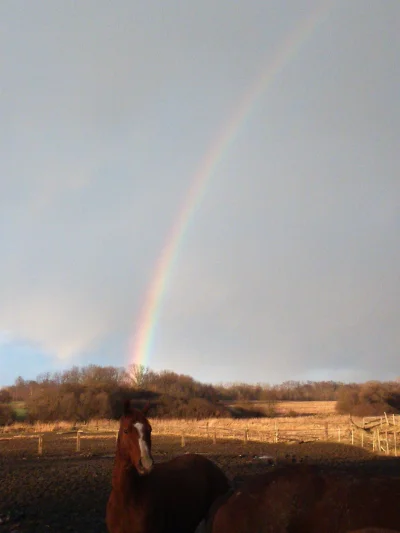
x=169, y=497
x=375, y=530
x=303, y=499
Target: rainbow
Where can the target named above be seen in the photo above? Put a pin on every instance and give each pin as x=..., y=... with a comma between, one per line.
x=140, y=345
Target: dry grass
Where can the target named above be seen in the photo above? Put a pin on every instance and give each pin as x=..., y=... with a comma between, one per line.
x=313, y=421
x=321, y=409
x=311, y=427
x=291, y=409
x=299, y=415
x=62, y=426
x=309, y=416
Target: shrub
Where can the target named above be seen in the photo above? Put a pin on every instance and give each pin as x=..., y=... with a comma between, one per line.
x=246, y=410
x=270, y=411
x=5, y=396
x=167, y=406
x=369, y=399
x=7, y=415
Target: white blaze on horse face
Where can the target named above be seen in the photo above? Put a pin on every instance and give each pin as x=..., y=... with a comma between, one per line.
x=144, y=449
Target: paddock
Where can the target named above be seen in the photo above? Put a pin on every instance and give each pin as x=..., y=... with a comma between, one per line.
x=68, y=490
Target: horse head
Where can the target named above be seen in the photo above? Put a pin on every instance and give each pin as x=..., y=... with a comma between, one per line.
x=134, y=439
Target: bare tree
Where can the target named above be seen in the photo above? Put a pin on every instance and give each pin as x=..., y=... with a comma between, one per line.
x=139, y=376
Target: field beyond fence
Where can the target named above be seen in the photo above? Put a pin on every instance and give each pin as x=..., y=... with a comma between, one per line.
x=377, y=434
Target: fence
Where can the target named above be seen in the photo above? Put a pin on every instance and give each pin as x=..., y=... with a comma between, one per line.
x=58, y=443
x=382, y=438
x=381, y=420
x=384, y=430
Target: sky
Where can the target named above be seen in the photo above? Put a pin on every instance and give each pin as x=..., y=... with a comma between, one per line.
x=287, y=267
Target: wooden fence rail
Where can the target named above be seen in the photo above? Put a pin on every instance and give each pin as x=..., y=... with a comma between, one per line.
x=380, y=440
x=393, y=420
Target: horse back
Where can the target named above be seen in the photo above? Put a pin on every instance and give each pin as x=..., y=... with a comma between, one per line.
x=305, y=499
x=189, y=483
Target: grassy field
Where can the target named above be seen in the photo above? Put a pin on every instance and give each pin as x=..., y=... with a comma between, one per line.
x=301, y=416
x=306, y=408
x=296, y=422
x=229, y=427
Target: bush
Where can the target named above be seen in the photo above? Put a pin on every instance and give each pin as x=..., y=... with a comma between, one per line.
x=193, y=408
x=247, y=410
x=270, y=410
x=7, y=415
x=65, y=404
x=369, y=399
x=5, y=396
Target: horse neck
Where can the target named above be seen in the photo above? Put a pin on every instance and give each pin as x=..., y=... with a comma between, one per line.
x=125, y=478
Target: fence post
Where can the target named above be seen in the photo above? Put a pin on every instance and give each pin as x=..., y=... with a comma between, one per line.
x=183, y=440
x=395, y=442
x=326, y=431
x=378, y=438
x=352, y=437
x=245, y=435
x=276, y=431
x=276, y=435
x=116, y=436
x=78, y=441
x=40, y=445
x=387, y=443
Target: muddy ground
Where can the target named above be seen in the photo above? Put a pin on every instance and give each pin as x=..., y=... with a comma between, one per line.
x=65, y=491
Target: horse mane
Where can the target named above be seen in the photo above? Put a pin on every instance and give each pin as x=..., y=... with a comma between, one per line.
x=146, y=408
x=127, y=407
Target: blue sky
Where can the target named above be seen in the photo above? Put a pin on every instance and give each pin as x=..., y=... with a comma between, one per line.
x=289, y=267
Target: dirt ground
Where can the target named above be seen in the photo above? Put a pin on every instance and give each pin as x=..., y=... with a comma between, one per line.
x=64, y=491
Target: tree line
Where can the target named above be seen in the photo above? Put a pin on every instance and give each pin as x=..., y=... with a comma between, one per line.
x=83, y=393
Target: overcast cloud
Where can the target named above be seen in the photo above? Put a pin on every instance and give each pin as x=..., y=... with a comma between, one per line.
x=290, y=266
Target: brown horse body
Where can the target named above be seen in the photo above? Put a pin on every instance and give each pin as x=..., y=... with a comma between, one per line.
x=375, y=530
x=306, y=500
x=170, y=497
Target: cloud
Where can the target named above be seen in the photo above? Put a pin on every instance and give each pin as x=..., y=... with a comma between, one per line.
x=289, y=266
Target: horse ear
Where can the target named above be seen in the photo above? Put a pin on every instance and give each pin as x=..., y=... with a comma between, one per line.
x=146, y=408
x=127, y=407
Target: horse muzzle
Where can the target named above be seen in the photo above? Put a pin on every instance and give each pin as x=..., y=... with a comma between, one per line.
x=145, y=466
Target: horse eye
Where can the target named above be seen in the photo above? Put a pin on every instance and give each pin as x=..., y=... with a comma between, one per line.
x=125, y=431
